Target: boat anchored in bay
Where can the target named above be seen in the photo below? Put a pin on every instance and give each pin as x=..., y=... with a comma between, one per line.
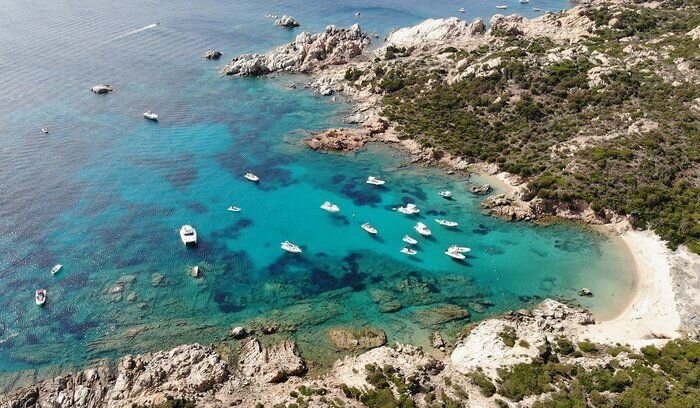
x=423, y=229
x=150, y=116
x=252, y=177
x=56, y=269
x=409, y=240
x=188, y=235
x=369, y=228
x=330, y=207
x=289, y=247
x=408, y=251
x=446, y=223
x=40, y=297
x=375, y=181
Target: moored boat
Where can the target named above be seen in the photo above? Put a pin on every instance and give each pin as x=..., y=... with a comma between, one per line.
x=375, y=181
x=330, y=207
x=409, y=209
x=456, y=248
x=501, y=7
x=56, y=269
x=409, y=240
x=446, y=223
x=188, y=235
x=454, y=254
x=44, y=130
x=446, y=194
x=524, y=1
x=252, y=177
x=234, y=209
x=40, y=297
x=408, y=251
x=150, y=116
x=423, y=229
x=289, y=247
x=369, y=228
x=461, y=10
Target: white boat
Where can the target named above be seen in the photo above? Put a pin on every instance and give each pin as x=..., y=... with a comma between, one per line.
x=357, y=14
x=369, y=228
x=462, y=10
x=423, y=229
x=446, y=223
x=188, y=235
x=456, y=248
x=409, y=209
x=252, y=177
x=536, y=9
x=45, y=130
x=501, y=7
x=524, y=1
x=56, y=268
x=446, y=194
x=40, y=297
x=330, y=207
x=289, y=247
x=454, y=254
x=375, y=181
x=234, y=209
x=150, y=116
x=408, y=251
x=409, y=240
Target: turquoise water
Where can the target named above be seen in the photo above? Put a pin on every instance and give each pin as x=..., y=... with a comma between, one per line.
x=105, y=192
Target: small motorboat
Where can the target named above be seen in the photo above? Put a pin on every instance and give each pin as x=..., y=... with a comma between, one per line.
x=446, y=223
x=234, y=209
x=188, y=235
x=501, y=7
x=369, y=228
x=330, y=207
x=357, y=14
x=446, y=194
x=252, y=177
x=409, y=240
x=462, y=10
x=375, y=181
x=44, y=130
x=40, y=297
x=524, y=1
x=536, y=9
x=423, y=229
x=289, y=247
x=454, y=254
x=409, y=209
x=150, y=116
x=408, y=251
x=56, y=269
x=462, y=250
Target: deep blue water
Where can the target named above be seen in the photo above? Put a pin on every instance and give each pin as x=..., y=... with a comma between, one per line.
x=105, y=191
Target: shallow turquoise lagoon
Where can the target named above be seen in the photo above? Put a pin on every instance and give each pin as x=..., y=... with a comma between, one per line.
x=105, y=192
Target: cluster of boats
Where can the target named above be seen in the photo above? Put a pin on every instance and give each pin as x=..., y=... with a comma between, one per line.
x=40, y=294
x=500, y=6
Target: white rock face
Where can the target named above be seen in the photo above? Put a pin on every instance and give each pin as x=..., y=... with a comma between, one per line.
x=308, y=52
x=436, y=32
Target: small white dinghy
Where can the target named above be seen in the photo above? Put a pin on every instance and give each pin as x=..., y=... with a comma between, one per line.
x=454, y=254
x=150, y=116
x=423, y=229
x=44, y=130
x=446, y=223
x=369, y=228
x=252, y=177
x=408, y=251
x=56, y=269
x=330, y=207
x=40, y=297
x=446, y=194
x=456, y=248
x=501, y=7
x=409, y=240
x=188, y=235
x=462, y=10
x=375, y=181
x=234, y=209
x=289, y=247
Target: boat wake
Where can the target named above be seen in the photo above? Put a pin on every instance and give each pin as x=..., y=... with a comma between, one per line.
x=132, y=32
x=10, y=336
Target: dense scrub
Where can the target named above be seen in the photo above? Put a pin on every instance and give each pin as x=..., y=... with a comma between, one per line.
x=624, y=138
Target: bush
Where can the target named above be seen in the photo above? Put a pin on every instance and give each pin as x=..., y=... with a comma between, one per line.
x=484, y=383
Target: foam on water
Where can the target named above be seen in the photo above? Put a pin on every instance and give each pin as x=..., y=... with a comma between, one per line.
x=105, y=191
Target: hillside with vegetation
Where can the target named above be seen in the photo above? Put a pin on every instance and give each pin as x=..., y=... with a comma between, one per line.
x=611, y=119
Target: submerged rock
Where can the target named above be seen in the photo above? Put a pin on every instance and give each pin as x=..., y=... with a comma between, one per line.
x=437, y=341
x=436, y=316
x=354, y=339
x=386, y=300
x=102, y=89
x=585, y=292
x=287, y=22
x=157, y=279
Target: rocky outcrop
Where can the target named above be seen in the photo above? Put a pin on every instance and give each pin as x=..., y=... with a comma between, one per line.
x=307, y=53
x=213, y=55
x=357, y=339
x=270, y=364
x=102, y=89
x=434, y=33
x=341, y=140
x=507, y=206
x=287, y=22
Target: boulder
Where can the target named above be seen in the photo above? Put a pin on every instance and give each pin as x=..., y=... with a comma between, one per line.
x=287, y=22
x=357, y=338
x=238, y=333
x=213, y=55
x=585, y=292
x=438, y=315
x=437, y=341
x=481, y=190
x=102, y=89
